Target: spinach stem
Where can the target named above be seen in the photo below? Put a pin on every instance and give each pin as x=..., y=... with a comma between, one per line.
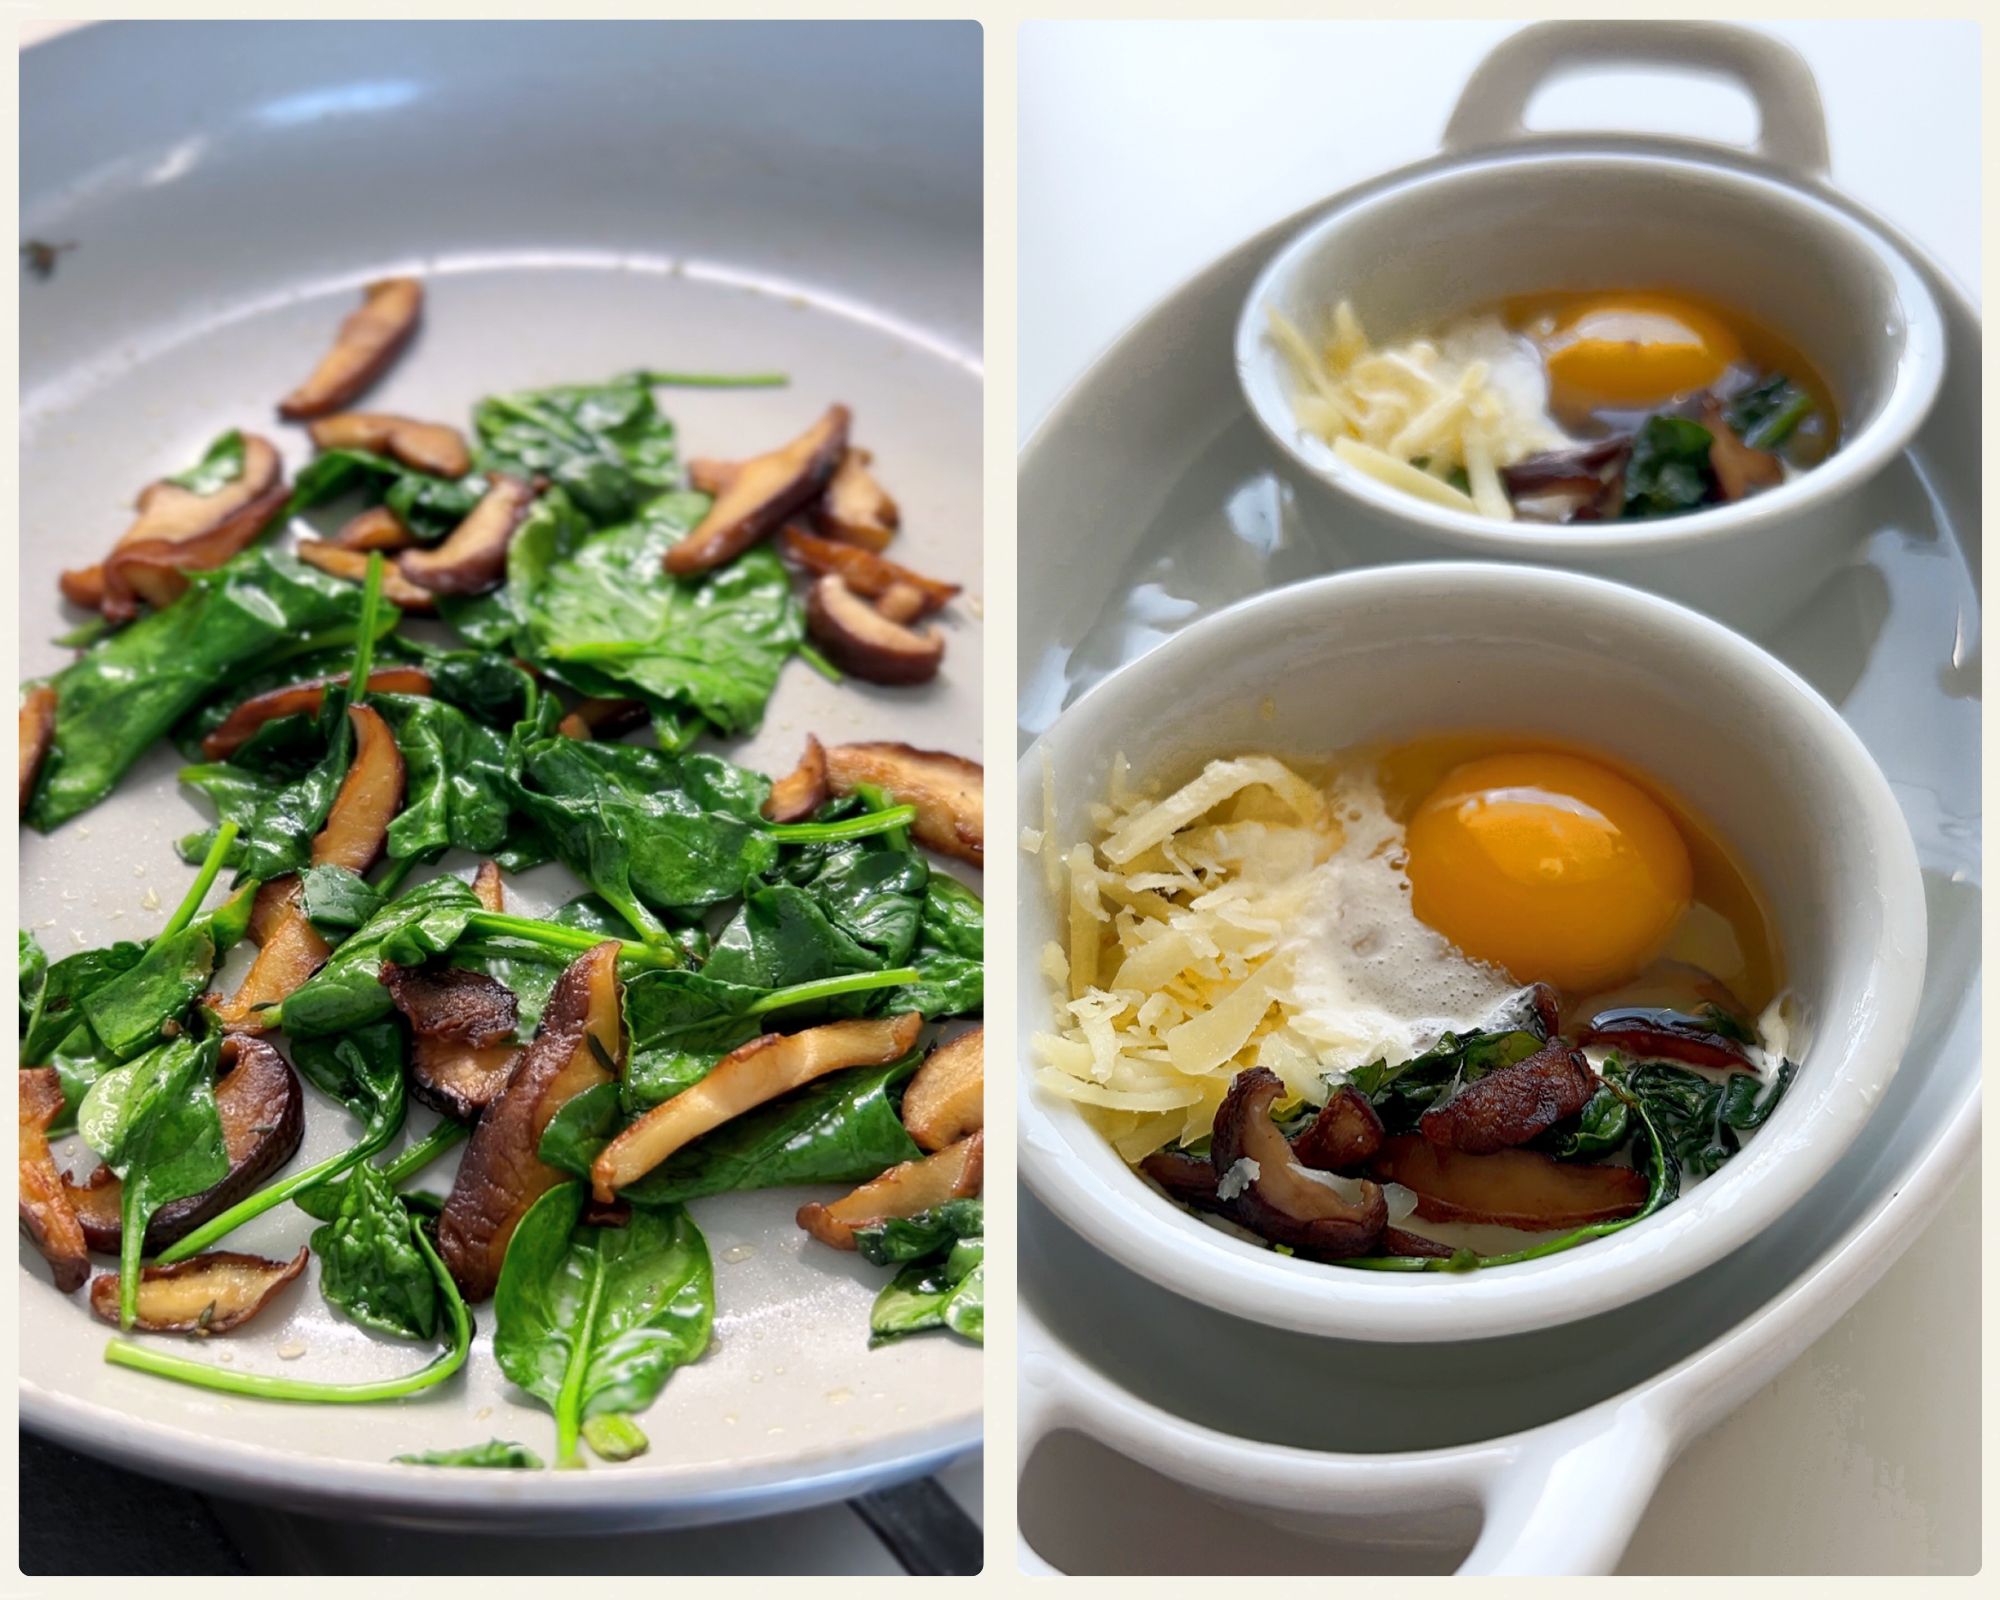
x=861, y=827
x=278, y=1193
x=553, y=421
x=569, y=1399
x=268, y=1386
x=715, y=380
x=131, y=1248
x=426, y=1150
x=392, y=880
x=204, y=880
x=800, y=994
x=825, y=668
x=556, y=936
x=364, y=647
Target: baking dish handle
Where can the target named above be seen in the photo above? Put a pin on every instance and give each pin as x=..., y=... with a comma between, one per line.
x=1566, y=1500
x=1042, y=1407
x=1791, y=123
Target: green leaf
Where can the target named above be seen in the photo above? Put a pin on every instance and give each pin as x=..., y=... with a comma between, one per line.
x=1669, y=469
x=337, y=900
x=950, y=955
x=609, y=619
x=153, y=1122
x=455, y=779
x=929, y=1233
x=370, y=1266
x=1765, y=417
x=221, y=466
x=592, y=1321
x=615, y=1436
x=322, y=1201
x=347, y=992
x=428, y=506
x=34, y=976
x=127, y=691
x=493, y=1453
x=128, y=1013
x=605, y=444
x=947, y=1291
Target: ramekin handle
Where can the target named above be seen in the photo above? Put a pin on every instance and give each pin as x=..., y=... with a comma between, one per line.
x=1042, y=1406
x=1792, y=124
x=1567, y=1500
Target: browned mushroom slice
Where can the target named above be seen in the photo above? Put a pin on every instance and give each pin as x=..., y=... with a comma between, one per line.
x=865, y=572
x=1654, y=1034
x=290, y=950
x=1515, y=1188
x=948, y=791
x=578, y=1046
x=749, y=1075
x=595, y=717
x=1739, y=470
x=472, y=558
x=766, y=490
x=1345, y=1134
x=262, y=1111
x=953, y=1173
x=800, y=792
x=488, y=888
x=856, y=507
x=369, y=340
x=353, y=566
x=1272, y=1194
x=1400, y=1242
x=38, y=731
x=444, y=1002
x=209, y=1293
x=305, y=698
x=459, y=1080
x=179, y=531
x=83, y=586
x=710, y=476
x=946, y=1100
x=1512, y=1105
x=1188, y=1179
x=859, y=639
x=902, y=602
x=432, y=447
x=1582, y=483
x=46, y=1211
x=377, y=528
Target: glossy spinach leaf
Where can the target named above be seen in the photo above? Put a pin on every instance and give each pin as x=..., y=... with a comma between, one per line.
x=221, y=464
x=929, y=1233
x=950, y=956
x=153, y=1122
x=592, y=1321
x=336, y=900
x=455, y=778
x=1701, y=1117
x=493, y=1453
x=1403, y=1093
x=347, y=992
x=1602, y=1126
x=33, y=973
x=130, y=689
x=609, y=619
x=606, y=445
x=1766, y=416
x=947, y=1291
x=370, y=1266
x=1669, y=469
x=430, y=507
x=781, y=935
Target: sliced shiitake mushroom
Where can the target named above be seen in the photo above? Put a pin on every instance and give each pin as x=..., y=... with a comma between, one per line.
x=460, y=1080
x=472, y=558
x=432, y=447
x=859, y=639
x=865, y=572
x=290, y=949
x=46, y=1211
x=209, y=1293
x=1739, y=470
x=1188, y=1179
x=578, y=1046
x=38, y=732
x=1655, y=1034
x=446, y=1002
x=953, y=1173
x=946, y=1099
x=803, y=790
x=1514, y=1188
x=948, y=791
x=1510, y=1106
x=369, y=340
x=1286, y=1202
x=856, y=507
x=262, y=1110
x=353, y=566
x=709, y=476
x=764, y=492
x=179, y=531
x=1401, y=1242
x=305, y=698
x=488, y=888
x=377, y=528
x=1346, y=1133
x=749, y=1075
x=595, y=717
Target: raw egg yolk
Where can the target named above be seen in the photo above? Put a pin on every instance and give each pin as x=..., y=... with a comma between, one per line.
x=1635, y=350
x=1549, y=866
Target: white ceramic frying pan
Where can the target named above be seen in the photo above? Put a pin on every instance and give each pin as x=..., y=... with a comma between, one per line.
x=582, y=199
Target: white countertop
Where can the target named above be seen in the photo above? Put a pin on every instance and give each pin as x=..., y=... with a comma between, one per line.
x=1147, y=150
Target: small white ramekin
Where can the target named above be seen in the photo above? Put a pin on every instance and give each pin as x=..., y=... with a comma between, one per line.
x=1555, y=216
x=1395, y=652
